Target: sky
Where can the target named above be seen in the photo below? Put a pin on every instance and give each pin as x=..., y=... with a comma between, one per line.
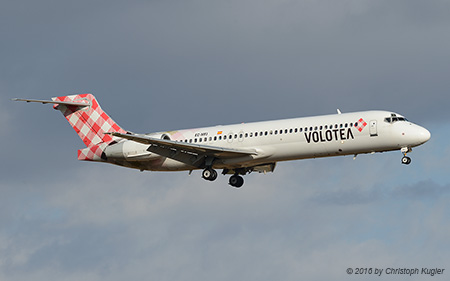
x=164, y=65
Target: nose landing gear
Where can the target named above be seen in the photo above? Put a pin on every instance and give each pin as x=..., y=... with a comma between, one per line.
x=405, y=159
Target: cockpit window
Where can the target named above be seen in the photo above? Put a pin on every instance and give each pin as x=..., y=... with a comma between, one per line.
x=394, y=119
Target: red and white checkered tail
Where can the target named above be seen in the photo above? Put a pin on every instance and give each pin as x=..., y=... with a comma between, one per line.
x=90, y=122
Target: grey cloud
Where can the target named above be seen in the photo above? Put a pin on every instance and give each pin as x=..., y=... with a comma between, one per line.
x=128, y=226
x=295, y=51
x=422, y=190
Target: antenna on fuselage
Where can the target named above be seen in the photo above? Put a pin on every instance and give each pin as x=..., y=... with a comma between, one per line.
x=339, y=112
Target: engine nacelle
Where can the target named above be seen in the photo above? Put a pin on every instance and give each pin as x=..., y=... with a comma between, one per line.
x=131, y=150
x=114, y=151
x=163, y=136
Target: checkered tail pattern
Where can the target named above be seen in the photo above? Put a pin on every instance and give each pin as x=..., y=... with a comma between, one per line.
x=90, y=123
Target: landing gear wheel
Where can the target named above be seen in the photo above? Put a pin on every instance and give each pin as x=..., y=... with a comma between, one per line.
x=214, y=177
x=236, y=181
x=406, y=160
x=209, y=174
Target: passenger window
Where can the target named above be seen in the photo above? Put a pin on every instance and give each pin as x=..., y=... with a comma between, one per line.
x=276, y=132
x=306, y=129
x=295, y=130
x=266, y=133
x=301, y=130
x=315, y=128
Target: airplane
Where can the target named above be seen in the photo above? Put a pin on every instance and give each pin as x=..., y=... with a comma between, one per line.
x=236, y=149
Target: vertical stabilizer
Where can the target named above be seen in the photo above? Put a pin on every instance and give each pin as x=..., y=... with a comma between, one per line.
x=90, y=122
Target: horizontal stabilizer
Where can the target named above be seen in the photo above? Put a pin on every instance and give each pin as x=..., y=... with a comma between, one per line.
x=80, y=103
x=85, y=116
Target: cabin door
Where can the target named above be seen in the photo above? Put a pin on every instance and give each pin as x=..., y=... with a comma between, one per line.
x=373, y=128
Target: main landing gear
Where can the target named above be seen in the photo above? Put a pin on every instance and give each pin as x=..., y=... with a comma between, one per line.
x=236, y=181
x=211, y=175
x=405, y=159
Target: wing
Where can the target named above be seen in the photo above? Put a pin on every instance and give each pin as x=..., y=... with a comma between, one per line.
x=164, y=146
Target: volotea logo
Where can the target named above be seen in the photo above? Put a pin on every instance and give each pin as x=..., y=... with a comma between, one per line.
x=361, y=124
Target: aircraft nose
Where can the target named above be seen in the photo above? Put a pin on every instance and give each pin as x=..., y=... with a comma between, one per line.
x=424, y=135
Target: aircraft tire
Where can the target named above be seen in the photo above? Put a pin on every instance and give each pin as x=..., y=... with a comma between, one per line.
x=236, y=181
x=406, y=160
x=209, y=174
x=214, y=177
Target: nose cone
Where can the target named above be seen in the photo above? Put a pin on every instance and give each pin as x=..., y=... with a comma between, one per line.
x=424, y=135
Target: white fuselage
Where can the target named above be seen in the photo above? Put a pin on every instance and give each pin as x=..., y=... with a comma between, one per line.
x=282, y=140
